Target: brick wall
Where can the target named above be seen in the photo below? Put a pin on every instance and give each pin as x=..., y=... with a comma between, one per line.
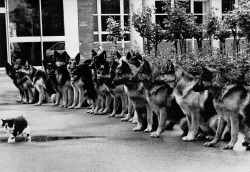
x=86, y=27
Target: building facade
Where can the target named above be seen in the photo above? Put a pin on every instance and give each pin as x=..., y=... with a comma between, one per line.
x=33, y=29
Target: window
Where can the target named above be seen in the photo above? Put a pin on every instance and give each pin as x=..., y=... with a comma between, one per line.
x=103, y=9
x=227, y=5
x=2, y=3
x=200, y=10
x=26, y=30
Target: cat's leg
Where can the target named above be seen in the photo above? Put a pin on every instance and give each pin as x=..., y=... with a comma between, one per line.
x=26, y=131
x=11, y=139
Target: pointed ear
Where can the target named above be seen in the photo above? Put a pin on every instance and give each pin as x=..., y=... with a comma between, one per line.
x=118, y=55
x=27, y=64
x=56, y=53
x=93, y=53
x=7, y=65
x=138, y=55
x=129, y=56
x=44, y=62
x=77, y=58
x=104, y=55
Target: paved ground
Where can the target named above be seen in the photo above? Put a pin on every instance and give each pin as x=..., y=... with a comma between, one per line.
x=71, y=140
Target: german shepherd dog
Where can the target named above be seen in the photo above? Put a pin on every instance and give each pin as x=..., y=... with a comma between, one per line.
x=136, y=93
x=76, y=83
x=24, y=82
x=158, y=94
x=135, y=59
x=232, y=104
x=10, y=71
x=62, y=79
x=40, y=81
x=82, y=79
x=104, y=99
x=192, y=103
x=107, y=74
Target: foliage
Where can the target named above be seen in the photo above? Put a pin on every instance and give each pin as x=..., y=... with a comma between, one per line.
x=179, y=23
x=116, y=30
x=153, y=32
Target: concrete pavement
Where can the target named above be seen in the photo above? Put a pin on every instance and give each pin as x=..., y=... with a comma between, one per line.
x=72, y=140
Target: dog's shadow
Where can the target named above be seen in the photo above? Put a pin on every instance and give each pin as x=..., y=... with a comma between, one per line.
x=43, y=138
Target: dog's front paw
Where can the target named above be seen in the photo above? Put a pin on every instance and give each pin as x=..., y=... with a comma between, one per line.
x=119, y=116
x=38, y=104
x=77, y=107
x=228, y=146
x=209, y=137
x=148, y=129
x=154, y=135
x=209, y=144
x=138, y=128
x=111, y=115
x=187, y=138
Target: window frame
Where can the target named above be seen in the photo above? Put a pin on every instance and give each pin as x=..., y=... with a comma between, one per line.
x=99, y=15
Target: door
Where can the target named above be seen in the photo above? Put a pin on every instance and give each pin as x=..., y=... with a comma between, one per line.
x=3, y=40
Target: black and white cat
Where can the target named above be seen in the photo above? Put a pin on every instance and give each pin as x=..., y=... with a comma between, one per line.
x=15, y=127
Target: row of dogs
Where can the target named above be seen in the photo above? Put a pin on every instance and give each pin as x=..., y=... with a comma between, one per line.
x=155, y=97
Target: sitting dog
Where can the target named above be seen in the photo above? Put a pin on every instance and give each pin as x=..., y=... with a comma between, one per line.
x=192, y=103
x=104, y=100
x=10, y=71
x=76, y=83
x=24, y=82
x=106, y=75
x=232, y=104
x=82, y=79
x=62, y=79
x=158, y=94
x=136, y=93
x=40, y=82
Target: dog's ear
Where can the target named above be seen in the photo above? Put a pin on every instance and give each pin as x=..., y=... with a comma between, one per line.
x=104, y=54
x=170, y=67
x=138, y=56
x=27, y=64
x=118, y=55
x=66, y=56
x=146, y=65
x=129, y=56
x=56, y=54
x=7, y=65
x=44, y=62
x=77, y=58
x=93, y=53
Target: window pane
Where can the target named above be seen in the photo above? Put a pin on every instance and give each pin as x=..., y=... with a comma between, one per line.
x=104, y=21
x=95, y=24
x=199, y=19
x=126, y=21
x=53, y=19
x=227, y=5
x=110, y=7
x=2, y=3
x=3, y=43
x=30, y=51
x=158, y=6
x=24, y=18
x=198, y=7
x=50, y=47
x=160, y=19
x=127, y=37
x=126, y=6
